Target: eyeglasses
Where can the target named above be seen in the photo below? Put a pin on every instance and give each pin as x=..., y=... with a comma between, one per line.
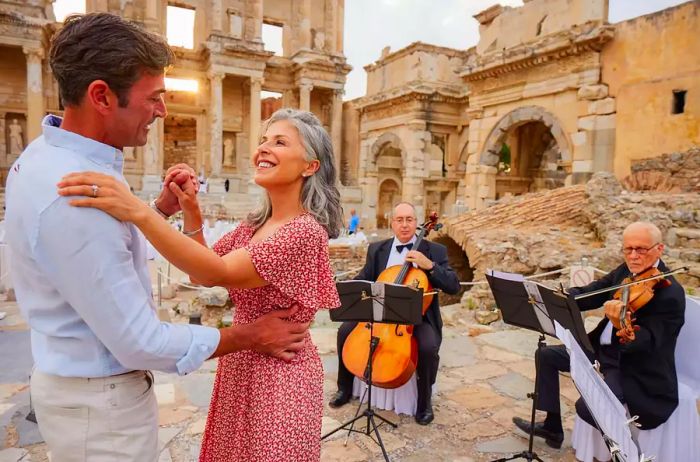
x=408, y=220
x=639, y=250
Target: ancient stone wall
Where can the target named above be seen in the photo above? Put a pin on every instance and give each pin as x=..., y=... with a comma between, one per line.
x=674, y=172
x=651, y=59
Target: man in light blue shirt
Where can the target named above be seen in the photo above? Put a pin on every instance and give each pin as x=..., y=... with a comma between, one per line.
x=81, y=276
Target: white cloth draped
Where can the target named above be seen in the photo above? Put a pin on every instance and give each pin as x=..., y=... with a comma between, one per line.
x=678, y=439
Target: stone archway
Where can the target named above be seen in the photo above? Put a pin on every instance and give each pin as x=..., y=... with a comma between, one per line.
x=389, y=194
x=529, y=150
x=386, y=142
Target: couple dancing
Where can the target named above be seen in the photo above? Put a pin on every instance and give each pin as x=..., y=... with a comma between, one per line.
x=82, y=281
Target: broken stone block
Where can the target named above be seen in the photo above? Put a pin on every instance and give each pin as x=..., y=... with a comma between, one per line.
x=593, y=92
x=486, y=317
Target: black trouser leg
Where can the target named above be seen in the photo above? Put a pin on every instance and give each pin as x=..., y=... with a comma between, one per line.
x=428, y=362
x=345, y=377
x=551, y=361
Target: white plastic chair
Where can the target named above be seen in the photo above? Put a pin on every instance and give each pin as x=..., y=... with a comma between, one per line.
x=678, y=439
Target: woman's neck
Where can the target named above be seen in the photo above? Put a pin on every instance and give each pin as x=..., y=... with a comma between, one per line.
x=286, y=204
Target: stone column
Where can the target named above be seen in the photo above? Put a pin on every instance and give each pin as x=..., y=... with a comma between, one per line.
x=305, y=96
x=254, y=20
x=153, y=158
x=304, y=24
x=288, y=99
x=216, y=121
x=217, y=16
x=35, y=94
x=330, y=25
x=3, y=141
x=336, y=127
x=254, y=115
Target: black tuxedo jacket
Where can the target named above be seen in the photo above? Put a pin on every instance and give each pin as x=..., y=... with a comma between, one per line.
x=441, y=277
x=649, y=382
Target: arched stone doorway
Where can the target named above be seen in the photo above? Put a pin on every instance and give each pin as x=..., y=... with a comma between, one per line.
x=530, y=151
x=458, y=261
x=387, y=153
x=389, y=194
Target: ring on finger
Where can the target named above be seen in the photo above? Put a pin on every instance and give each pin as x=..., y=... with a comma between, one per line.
x=95, y=190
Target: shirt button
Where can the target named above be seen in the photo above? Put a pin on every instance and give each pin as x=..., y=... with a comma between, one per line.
x=112, y=386
x=202, y=348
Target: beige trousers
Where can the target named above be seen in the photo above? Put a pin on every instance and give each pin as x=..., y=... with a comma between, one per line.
x=97, y=420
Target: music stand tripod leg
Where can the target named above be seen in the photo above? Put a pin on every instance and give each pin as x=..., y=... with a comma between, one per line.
x=368, y=412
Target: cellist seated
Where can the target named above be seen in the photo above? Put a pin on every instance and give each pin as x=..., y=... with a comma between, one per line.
x=430, y=257
x=638, y=366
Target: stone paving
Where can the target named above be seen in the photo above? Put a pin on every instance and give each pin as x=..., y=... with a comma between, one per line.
x=483, y=382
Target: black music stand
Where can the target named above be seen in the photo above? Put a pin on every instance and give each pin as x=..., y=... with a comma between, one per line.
x=370, y=302
x=535, y=307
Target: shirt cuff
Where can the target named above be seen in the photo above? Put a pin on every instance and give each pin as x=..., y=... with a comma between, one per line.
x=204, y=343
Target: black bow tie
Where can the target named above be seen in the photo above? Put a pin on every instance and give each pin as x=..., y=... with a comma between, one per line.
x=400, y=247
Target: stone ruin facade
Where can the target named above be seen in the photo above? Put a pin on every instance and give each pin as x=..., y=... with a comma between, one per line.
x=211, y=128
x=551, y=94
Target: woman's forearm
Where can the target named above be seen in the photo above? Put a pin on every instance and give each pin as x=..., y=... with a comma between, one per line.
x=192, y=220
x=190, y=256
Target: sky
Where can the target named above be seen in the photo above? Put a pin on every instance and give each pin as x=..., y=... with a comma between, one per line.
x=398, y=23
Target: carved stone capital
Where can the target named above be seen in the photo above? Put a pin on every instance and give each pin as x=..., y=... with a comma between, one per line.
x=33, y=54
x=216, y=76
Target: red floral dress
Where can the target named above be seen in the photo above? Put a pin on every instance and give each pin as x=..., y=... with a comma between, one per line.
x=264, y=409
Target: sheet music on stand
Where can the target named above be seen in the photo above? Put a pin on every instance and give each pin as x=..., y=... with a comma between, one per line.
x=607, y=410
x=532, y=289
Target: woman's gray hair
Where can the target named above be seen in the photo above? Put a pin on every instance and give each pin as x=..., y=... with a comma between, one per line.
x=319, y=195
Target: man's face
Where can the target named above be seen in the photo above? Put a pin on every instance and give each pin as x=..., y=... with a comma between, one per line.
x=404, y=223
x=129, y=126
x=640, y=250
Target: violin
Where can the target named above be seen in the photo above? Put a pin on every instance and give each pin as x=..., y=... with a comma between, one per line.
x=396, y=351
x=635, y=292
x=636, y=296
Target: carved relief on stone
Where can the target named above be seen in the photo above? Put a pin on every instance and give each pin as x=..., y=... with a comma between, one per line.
x=229, y=149
x=15, y=137
x=319, y=40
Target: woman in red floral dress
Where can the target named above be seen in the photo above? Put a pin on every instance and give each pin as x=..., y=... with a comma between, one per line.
x=263, y=409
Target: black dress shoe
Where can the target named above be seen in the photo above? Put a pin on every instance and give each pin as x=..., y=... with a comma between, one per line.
x=425, y=417
x=339, y=399
x=553, y=439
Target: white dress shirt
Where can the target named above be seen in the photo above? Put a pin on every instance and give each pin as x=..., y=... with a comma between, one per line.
x=81, y=277
x=396, y=257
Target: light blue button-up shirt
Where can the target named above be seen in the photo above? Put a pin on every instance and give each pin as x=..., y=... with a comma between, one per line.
x=81, y=277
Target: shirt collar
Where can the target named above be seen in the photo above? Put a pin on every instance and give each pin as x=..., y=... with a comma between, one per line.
x=100, y=153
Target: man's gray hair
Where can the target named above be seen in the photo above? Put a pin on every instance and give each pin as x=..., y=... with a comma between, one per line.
x=653, y=230
x=319, y=195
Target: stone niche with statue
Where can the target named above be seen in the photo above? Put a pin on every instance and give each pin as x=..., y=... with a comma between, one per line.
x=15, y=130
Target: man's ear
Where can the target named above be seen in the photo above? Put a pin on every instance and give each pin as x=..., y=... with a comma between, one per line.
x=101, y=97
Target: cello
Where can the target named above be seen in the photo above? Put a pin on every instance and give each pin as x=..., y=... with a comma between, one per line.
x=395, y=349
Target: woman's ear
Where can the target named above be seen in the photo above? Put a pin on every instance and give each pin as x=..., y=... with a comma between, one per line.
x=312, y=168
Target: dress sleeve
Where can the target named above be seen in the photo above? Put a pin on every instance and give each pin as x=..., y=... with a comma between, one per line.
x=295, y=261
x=226, y=242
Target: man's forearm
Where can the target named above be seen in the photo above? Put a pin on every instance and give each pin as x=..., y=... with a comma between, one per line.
x=235, y=338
